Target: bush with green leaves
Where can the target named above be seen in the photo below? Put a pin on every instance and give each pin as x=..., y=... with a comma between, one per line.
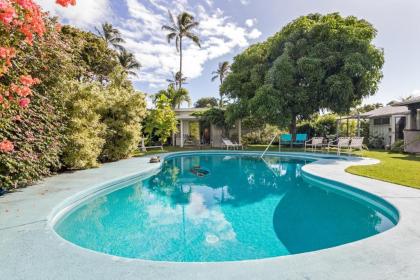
x=85, y=131
x=122, y=114
x=161, y=121
x=319, y=125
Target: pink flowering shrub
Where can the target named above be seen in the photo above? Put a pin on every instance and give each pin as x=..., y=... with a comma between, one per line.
x=20, y=21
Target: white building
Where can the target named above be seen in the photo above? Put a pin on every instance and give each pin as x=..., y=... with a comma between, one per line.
x=389, y=123
x=192, y=131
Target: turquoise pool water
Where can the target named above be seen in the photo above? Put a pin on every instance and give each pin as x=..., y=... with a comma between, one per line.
x=224, y=207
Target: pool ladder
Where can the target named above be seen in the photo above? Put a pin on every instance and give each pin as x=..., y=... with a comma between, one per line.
x=268, y=146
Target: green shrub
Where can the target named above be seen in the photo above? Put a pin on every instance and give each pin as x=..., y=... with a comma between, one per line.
x=260, y=136
x=398, y=146
x=85, y=132
x=160, y=122
x=123, y=113
x=323, y=125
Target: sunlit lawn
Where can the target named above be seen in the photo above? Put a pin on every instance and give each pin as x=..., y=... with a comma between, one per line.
x=398, y=168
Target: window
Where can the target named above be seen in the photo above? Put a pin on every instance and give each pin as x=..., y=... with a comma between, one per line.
x=381, y=121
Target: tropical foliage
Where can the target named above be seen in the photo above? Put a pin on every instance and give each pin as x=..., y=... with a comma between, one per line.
x=174, y=96
x=123, y=113
x=180, y=28
x=221, y=73
x=161, y=121
x=315, y=62
x=64, y=99
x=206, y=102
x=85, y=133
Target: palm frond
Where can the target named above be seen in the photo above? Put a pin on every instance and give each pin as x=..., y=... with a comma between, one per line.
x=170, y=36
x=169, y=28
x=194, y=38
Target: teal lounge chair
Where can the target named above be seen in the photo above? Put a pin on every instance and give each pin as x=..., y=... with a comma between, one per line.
x=300, y=139
x=285, y=139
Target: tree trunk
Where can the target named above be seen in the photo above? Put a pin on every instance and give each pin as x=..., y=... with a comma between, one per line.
x=220, y=93
x=180, y=62
x=293, y=129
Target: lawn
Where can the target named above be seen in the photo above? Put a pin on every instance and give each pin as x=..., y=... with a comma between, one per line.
x=398, y=168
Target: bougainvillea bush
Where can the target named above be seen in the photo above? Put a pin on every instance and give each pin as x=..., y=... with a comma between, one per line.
x=54, y=91
x=32, y=126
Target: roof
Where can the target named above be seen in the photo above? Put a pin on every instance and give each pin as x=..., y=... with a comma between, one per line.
x=190, y=109
x=186, y=113
x=410, y=101
x=387, y=111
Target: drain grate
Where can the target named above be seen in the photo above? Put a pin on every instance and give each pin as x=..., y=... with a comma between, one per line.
x=199, y=171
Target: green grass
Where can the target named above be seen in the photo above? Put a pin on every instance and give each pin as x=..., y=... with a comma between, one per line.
x=398, y=168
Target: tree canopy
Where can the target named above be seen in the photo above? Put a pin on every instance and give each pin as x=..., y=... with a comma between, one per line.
x=206, y=102
x=317, y=62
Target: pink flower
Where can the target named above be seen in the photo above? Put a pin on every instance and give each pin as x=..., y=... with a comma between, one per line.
x=7, y=13
x=26, y=80
x=65, y=3
x=6, y=146
x=24, y=102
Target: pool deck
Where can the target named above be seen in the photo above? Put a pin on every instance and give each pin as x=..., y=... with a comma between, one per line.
x=30, y=249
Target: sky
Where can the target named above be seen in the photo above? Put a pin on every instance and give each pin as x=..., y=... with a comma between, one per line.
x=227, y=27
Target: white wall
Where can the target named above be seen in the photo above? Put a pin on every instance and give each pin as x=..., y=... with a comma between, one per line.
x=386, y=131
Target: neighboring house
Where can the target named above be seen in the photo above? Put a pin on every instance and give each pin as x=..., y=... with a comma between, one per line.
x=388, y=122
x=192, y=131
x=412, y=130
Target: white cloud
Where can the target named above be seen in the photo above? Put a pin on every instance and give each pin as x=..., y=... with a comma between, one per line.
x=219, y=34
x=416, y=92
x=255, y=33
x=141, y=28
x=86, y=13
x=251, y=22
x=245, y=2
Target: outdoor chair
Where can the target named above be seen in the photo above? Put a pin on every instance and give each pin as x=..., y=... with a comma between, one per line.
x=314, y=143
x=300, y=139
x=228, y=144
x=356, y=143
x=285, y=139
x=340, y=143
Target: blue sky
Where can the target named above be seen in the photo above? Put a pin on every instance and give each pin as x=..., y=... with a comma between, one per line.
x=229, y=26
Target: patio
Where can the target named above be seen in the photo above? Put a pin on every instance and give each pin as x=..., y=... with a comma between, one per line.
x=26, y=236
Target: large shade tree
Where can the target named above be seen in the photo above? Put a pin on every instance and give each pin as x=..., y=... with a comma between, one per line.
x=180, y=28
x=317, y=62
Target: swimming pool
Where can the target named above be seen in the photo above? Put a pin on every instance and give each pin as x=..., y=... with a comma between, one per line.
x=225, y=207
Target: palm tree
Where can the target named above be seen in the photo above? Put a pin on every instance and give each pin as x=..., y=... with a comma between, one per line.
x=180, y=28
x=221, y=73
x=111, y=35
x=175, y=96
x=129, y=62
x=177, y=79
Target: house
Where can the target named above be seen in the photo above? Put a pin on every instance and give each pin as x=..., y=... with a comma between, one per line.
x=412, y=129
x=193, y=131
x=388, y=123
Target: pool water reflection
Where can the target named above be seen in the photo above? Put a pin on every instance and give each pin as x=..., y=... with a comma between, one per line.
x=241, y=208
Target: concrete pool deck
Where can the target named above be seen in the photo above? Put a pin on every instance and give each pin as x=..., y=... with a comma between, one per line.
x=30, y=249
